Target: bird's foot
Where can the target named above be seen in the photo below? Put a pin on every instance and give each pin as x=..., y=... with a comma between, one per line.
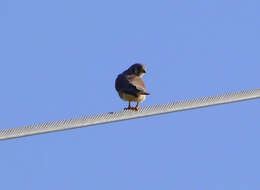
x=128, y=108
x=132, y=108
x=136, y=108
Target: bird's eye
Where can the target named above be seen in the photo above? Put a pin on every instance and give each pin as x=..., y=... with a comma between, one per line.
x=135, y=70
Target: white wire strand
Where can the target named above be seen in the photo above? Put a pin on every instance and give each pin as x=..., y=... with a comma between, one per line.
x=128, y=114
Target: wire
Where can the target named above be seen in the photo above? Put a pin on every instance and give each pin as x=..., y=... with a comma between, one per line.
x=128, y=114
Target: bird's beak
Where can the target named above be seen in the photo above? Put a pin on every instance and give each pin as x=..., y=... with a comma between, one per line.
x=144, y=71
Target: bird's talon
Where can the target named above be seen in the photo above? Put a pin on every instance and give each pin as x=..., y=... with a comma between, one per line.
x=136, y=108
x=132, y=108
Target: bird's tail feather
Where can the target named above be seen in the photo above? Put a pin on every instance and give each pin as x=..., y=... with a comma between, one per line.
x=145, y=93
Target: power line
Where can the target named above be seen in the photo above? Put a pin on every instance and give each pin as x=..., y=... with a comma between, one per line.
x=128, y=114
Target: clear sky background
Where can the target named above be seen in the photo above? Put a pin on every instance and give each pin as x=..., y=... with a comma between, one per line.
x=59, y=60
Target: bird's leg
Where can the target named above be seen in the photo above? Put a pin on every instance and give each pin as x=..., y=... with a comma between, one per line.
x=129, y=106
x=136, y=108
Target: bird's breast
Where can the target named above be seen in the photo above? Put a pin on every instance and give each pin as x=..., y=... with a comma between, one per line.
x=131, y=98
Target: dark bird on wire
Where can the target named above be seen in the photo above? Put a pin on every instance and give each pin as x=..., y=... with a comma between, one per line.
x=131, y=87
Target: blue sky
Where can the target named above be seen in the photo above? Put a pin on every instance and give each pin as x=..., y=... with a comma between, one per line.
x=59, y=60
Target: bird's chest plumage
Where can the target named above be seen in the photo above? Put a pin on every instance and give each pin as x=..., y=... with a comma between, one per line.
x=131, y=98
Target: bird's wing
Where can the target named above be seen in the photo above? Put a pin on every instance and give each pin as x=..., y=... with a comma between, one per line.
x=137, y=83
x=130, y=84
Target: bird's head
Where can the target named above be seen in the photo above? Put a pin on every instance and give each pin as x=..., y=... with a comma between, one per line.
x=137, y=69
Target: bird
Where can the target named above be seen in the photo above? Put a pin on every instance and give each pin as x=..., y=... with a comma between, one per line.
x=130, y=86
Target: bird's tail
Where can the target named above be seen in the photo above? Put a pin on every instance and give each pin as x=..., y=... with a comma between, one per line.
x=145, y=93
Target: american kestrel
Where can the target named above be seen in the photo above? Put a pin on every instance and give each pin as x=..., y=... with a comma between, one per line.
x=130, y=85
